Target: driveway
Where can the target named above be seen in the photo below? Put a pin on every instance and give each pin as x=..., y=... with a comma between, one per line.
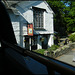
x=68, y=57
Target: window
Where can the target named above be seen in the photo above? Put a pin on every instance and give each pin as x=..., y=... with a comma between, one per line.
x=38, y=17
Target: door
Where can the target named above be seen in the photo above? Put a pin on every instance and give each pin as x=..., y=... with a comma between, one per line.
x=34, y=43
x=45, y=42
x=27, y=43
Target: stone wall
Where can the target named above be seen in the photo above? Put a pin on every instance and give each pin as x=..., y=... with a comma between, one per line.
x=60, y=51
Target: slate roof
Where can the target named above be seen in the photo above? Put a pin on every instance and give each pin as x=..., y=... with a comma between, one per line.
x=9, y=3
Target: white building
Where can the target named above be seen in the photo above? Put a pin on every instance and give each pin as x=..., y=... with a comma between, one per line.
x=37, y=13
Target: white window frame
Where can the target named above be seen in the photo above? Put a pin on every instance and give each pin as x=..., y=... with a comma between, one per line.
x=42, y=27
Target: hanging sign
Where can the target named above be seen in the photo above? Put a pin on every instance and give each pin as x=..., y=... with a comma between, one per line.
x=30, y=29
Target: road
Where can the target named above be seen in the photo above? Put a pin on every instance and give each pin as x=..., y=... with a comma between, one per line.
x=68, y=57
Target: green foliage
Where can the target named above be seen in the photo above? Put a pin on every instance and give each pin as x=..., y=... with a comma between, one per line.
x=41, y=51
x=72, y=37
x=69, y=16
x=64, y=19
x=53, y=47
x=54, y=37
x=58, y=8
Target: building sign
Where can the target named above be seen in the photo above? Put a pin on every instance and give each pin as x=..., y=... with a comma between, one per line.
x=30, y=29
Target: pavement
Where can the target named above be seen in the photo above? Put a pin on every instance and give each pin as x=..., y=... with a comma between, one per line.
x=68, y=57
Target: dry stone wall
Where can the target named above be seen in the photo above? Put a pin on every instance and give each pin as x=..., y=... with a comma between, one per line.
x=60, y=51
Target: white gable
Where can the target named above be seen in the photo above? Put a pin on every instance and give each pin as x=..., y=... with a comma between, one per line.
x=39, y=4
x=26, y=11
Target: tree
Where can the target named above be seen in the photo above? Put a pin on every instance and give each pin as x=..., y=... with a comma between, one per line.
x=59, y=22
x=64, y=19
x=70, y=18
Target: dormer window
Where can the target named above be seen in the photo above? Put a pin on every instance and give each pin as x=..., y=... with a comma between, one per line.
x=38, y=17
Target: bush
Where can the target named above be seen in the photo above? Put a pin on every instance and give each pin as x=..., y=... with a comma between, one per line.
x=72, y=37
x=41, y=51
x=53, y=47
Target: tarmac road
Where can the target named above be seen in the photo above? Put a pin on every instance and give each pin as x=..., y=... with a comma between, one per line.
x=68, y=57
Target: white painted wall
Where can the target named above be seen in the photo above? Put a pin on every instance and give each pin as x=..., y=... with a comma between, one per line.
x=15, y=25
x=50, y=40
x=39, y=43
x=0, y=44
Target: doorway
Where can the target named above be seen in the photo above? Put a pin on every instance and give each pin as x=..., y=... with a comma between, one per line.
x=45, y=42
x=33, y=44
x=27, y=43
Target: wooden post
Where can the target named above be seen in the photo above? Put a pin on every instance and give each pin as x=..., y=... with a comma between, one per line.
x=30, y=43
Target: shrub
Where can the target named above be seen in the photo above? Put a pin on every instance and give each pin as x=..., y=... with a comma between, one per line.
x=72, y=37
x=41, y=51
x=53, y=47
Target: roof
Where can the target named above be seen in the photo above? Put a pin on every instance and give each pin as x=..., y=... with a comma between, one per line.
x=38, y=8
x=11, y=4
x=48, y=6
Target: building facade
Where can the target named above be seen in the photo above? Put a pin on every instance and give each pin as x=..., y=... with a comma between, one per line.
x=36, y=15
